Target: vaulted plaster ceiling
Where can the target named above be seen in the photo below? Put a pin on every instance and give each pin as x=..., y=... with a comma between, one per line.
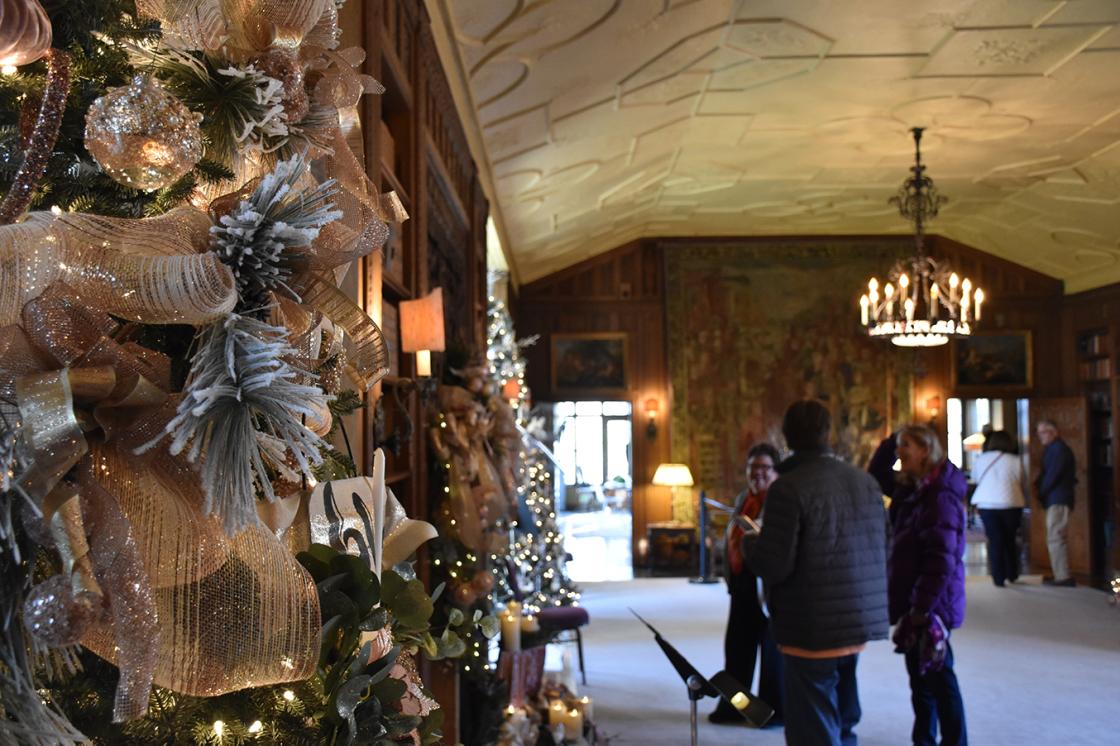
x=599, y=121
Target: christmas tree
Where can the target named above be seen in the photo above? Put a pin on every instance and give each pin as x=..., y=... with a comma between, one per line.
x=538, y=545
x=183, y=555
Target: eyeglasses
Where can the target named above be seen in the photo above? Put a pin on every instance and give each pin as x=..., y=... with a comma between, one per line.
x=754, y=466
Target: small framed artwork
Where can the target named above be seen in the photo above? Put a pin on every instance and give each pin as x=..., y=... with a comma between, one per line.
x=993, y=362
x=590, y=364
x=391, y=330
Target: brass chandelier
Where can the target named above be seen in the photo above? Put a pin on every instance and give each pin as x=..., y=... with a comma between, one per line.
x=923, y=302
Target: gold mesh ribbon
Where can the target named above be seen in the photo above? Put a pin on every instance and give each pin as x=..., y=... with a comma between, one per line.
x=252, y=621
x=143, y=270
x=234, y=612
x=368, y=358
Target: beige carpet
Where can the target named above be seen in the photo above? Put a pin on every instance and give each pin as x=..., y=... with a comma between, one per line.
x=1037, y=665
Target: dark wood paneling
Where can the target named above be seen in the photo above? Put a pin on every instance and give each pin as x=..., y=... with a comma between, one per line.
x=443, y=242
x=623, y=291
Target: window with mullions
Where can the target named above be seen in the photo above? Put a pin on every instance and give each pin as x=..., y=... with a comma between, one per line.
x=592, y=442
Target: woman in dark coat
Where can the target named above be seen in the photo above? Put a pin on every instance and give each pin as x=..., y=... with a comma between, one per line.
x=925, y=581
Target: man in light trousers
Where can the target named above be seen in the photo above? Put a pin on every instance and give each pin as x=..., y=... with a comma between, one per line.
x=1055, y=485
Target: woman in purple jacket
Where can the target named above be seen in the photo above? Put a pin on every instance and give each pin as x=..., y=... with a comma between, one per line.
x=925, y=581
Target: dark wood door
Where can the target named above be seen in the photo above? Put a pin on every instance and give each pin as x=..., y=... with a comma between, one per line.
x=1071, y=414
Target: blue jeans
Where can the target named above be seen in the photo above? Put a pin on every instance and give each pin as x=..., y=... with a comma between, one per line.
x=821, y=701
x=937, y=701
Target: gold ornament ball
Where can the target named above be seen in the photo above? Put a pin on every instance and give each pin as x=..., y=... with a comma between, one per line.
x=142, y=136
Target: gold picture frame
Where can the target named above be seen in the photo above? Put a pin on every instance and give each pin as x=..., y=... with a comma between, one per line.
x=992, y=363
x=590, y=364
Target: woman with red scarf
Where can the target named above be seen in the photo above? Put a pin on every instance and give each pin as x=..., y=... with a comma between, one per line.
x=748, y=628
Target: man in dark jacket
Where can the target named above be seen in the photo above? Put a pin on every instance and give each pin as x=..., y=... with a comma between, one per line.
x=1055, y=489
x=822, y=556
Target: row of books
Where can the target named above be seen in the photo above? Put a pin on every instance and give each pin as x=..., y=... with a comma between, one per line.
x=1095, y=370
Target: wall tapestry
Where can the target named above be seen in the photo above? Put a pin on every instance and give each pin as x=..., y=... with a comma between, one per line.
x=753, y=326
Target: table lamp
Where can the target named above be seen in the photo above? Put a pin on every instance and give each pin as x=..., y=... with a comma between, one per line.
x=674, y=476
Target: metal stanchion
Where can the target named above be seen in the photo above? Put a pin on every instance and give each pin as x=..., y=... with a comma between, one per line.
x=705, y=569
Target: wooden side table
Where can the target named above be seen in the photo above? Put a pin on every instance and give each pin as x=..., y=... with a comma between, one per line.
x=672, y=547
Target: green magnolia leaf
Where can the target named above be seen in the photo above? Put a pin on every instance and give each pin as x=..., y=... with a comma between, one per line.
x=346, y=701
x=476, y=616
x=412, y=606
x=363, y=587
x=391, y=586
x=389, y=689
x=377, y=619
x=438, y=591
x=317, y=569
x=321, y=552
x=490, y=626
x=332, y=583
x=337, y=603
x=455, y=617
x=400, y=725
x=361, y=659
x=348, y=696
x=329, y=637
x=450, y=645
x=431, y=725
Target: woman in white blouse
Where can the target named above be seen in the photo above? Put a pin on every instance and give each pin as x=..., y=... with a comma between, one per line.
x=999, y=496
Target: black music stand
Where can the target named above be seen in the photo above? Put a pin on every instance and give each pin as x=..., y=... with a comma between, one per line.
x=723, y=684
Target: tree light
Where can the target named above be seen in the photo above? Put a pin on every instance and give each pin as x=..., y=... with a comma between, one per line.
x=289, y=695
x=256, y=727
x=219, y=728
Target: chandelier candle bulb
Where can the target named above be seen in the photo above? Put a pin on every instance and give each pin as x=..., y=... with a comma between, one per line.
x=934, y=301
x=909, y=305
x=953, y=282
x=863, y=318
x=979, y=298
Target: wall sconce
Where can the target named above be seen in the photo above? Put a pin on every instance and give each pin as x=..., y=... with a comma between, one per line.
x=933, y=406
x=653, y=406
x=422, y=329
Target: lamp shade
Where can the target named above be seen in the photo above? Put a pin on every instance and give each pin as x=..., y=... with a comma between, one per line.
x=673, y=475
x=652, y=406
x=422, y=323
x=974, y=442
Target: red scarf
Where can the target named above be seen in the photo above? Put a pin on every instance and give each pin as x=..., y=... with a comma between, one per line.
x=752, y=507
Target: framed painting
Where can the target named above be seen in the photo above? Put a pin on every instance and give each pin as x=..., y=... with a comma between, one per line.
x=993, y=362
x=590, y=364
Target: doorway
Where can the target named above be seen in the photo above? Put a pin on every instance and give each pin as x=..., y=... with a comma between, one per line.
x=593, y=443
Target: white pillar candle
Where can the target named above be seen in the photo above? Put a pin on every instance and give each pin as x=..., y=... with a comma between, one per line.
x=573, y=724
x=529, y=624
x=511, y=632
x=556, y=711
x=584, y=705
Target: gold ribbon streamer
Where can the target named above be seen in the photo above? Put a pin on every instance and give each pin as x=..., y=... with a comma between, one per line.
x=368, y=358
x=51, y=433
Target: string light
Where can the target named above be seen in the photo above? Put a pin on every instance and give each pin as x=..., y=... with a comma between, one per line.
x=256, y=727
x=219, y=728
